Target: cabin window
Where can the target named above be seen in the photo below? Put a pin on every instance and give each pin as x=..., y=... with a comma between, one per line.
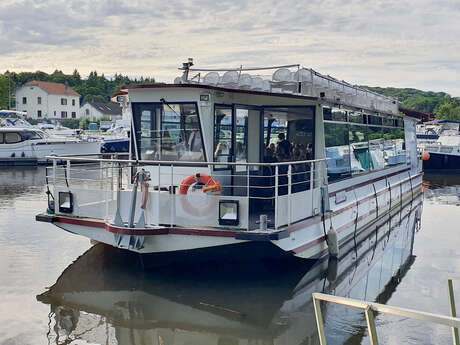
x=388, y=121
x=374, y=120
x=288, y=134
x=337, y=142
x=334, y=114
x=1, y=138
x=31, y=135
x=359, y=149
x=12, y=138
x=394, y=152
x=376, y=147
x=355, y=117
x=223, y=138
x=374, y=142
x=169, y=132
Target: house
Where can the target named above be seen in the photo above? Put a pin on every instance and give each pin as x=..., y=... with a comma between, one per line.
x=96, y=110
x=42, y=99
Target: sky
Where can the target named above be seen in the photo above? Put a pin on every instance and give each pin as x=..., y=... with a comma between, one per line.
x=376, y=42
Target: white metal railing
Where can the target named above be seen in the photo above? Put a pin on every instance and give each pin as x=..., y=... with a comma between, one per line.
x=370, y=310
x=269, y=188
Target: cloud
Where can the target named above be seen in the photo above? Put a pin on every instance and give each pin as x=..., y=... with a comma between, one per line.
x=380, y=42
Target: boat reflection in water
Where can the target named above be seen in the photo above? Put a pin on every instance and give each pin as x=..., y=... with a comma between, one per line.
x=105, y=297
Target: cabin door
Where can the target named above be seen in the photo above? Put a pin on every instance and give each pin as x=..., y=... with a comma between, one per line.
x=237, y=140
x=223, y=145
x=247, y=147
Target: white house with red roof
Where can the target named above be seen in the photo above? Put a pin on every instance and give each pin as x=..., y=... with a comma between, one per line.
x=42, y=99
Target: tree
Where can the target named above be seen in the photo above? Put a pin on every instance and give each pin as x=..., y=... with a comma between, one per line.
x=3, y=92
x=448, y=111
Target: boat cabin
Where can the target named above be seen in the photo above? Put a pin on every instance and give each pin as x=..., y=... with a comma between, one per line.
x=261, y=145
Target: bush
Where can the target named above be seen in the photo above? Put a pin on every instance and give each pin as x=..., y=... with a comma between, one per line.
x=71, y=123
x=84, y=123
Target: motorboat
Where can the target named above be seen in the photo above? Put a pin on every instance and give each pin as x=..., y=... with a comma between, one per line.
x=440, y=139
x=106, y=297
x=27, y=145
x=231, y=157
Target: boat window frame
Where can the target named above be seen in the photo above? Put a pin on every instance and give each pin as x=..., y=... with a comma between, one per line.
x=287, y=130
x=261, y=110
x=21, y=139
x=367, y=119
x=155, y=105
x=233, y=136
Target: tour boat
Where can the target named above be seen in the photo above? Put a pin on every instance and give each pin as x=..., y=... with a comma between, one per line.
x=232, y=157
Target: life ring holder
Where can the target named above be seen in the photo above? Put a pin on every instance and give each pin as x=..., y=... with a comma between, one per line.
x=210, y=185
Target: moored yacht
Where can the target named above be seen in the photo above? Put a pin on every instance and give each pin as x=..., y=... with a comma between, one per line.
x=21, y=145
x=441, y=140
x=301, y=161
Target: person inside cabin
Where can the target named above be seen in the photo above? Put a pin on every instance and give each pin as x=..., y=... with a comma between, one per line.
x=283, y=154
x=283, y=148
x=240, y=152
x=194, y=141
x=221, y=152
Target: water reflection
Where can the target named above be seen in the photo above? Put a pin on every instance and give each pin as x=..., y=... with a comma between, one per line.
x=105, y=296
x=16, y=182
x=442, y=189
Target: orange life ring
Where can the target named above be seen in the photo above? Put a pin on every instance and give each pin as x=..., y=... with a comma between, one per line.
x=208, y=181
x=209, y=185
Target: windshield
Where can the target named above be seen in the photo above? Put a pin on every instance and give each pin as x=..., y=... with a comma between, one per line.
x=32, y=135
x=168, y=132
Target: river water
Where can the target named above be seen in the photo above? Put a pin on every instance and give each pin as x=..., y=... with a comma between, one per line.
x=58, y=289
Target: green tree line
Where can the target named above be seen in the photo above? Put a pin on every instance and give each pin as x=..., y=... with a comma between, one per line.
x=441, y=104
x=99, y=88
x=93, y=88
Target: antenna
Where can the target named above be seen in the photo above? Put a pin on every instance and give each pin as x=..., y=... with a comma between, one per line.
x=186, y=68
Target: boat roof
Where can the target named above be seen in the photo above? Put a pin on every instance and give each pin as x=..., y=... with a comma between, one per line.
x=436, y=122
x=244, y=91
x=5, y=112
x=19, y=129
x=219, y=88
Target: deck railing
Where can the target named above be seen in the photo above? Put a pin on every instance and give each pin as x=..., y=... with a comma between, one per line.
x=370, y=310
x=284, y=191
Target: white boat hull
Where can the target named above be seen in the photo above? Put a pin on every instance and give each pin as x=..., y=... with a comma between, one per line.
x=40, y=149
x=351, y=210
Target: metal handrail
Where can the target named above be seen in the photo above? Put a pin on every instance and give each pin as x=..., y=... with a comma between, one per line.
x=178, y=163
x=370, y=308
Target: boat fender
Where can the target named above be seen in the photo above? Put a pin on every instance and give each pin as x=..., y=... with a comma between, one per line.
x=145, y=195
x=333, y=242
x=425, y=156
